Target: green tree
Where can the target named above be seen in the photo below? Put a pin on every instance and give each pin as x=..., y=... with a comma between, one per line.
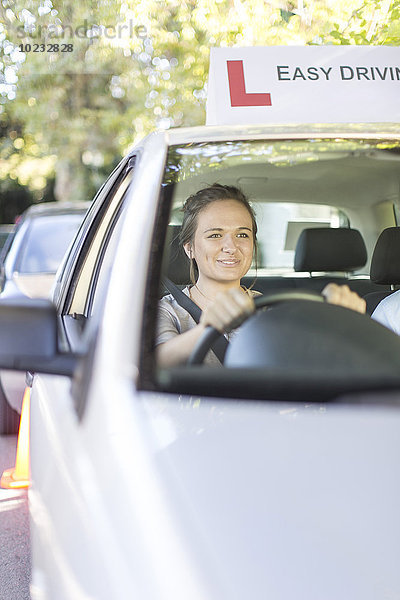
x=64, y=100
x=136, y=66
x=375, y=22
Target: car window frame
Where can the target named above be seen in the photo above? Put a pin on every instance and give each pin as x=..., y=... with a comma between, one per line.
x=65, y=275
x=147, y=367
x=80, y=299
x=96, y=295
x=72, y=326
x=147, y=356
x=15, y=245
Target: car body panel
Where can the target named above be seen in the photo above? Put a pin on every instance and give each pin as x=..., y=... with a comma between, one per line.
x=213, y=488
x=13, y=382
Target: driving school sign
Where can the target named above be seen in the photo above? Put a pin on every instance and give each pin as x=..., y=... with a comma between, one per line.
x=304, y=84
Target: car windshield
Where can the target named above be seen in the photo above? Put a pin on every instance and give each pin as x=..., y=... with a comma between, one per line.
x=47, y=241
x=295, y=186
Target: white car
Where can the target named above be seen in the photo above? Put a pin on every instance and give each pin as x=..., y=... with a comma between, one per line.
x=274, y=476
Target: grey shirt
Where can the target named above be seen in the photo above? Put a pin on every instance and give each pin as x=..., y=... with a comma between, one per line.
x=174, y=320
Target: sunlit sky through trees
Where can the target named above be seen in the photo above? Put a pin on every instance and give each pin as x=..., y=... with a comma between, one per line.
x=118, y=69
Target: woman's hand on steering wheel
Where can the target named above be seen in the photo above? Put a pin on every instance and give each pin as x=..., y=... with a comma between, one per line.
x=228, y=310
x=211, y=333
x=332, y=293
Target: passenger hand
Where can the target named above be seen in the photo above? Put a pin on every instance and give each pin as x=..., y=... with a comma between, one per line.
x=228, y=311
x=343, y=296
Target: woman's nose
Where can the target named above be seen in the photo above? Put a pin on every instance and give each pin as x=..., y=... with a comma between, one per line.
x=228, y=243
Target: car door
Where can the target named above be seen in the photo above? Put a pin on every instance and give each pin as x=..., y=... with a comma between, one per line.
x=57, y=450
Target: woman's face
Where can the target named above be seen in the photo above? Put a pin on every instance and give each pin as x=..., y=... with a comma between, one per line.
x=223, y=242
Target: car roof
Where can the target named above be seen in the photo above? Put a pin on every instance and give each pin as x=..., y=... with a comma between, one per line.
x=55, y=208
x=220, y=133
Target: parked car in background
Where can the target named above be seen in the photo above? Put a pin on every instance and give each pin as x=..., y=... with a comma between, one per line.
x=28, y=263
x=271, y=476
x=32, y=254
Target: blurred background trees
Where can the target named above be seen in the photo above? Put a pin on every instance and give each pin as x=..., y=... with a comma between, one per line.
x=67, y=117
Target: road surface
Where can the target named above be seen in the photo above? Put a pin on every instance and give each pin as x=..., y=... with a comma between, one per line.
x=15, y=552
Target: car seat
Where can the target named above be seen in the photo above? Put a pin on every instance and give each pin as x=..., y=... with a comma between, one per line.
x=385, y=266
x=325, y=249
x=178, y=267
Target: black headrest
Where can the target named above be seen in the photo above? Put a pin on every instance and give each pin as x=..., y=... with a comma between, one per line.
x=385, y=264
x=330, y=249
x=178, y=268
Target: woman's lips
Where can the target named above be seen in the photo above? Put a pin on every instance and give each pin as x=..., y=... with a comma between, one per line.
x=228, y=262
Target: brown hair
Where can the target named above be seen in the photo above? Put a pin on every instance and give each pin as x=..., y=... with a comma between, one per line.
x=197, y=202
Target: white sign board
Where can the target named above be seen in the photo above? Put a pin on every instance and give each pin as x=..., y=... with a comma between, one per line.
x=304, y=84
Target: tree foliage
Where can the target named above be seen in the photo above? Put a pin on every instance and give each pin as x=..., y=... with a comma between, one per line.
x=137, y=65
x=375, y=22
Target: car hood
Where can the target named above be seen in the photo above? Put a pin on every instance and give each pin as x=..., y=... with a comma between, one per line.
x=286, y=500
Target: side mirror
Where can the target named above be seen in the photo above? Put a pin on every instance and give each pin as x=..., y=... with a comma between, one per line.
x=28, y=338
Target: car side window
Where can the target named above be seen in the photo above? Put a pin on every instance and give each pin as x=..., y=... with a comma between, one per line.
x=86, y=278
x=105, y=265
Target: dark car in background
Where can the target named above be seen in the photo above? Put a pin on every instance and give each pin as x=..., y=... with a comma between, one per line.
x=29, y=260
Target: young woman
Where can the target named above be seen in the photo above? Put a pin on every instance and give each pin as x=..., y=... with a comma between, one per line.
x=218, y=235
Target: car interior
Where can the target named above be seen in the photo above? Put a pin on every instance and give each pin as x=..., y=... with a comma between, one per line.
x=321, y=206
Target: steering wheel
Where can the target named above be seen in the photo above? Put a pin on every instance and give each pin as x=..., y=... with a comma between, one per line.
x=210, y=334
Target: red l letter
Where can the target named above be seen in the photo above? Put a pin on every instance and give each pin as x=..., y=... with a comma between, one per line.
x=237, y=88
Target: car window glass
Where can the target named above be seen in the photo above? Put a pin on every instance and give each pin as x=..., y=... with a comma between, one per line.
x=295, y=185
x=5, y=232
x=47, y=240
x=12, y=247
x=88, y=269
x=280, y=225
x=104, y=267
x=292, y=185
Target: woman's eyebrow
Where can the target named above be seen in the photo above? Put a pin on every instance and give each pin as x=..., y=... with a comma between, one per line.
x=220, y=229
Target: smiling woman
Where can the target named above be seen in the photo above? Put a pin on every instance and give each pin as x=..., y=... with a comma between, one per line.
x=218, y=235
x=218, y=232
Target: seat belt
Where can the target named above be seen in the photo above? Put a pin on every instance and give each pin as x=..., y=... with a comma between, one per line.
x=220, y=346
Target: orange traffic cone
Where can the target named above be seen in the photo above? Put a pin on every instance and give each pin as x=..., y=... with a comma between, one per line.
x=19, y=476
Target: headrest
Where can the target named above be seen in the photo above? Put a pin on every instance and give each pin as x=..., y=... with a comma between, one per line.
x=330, y=249
x=178, y=268
x=385, y=264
